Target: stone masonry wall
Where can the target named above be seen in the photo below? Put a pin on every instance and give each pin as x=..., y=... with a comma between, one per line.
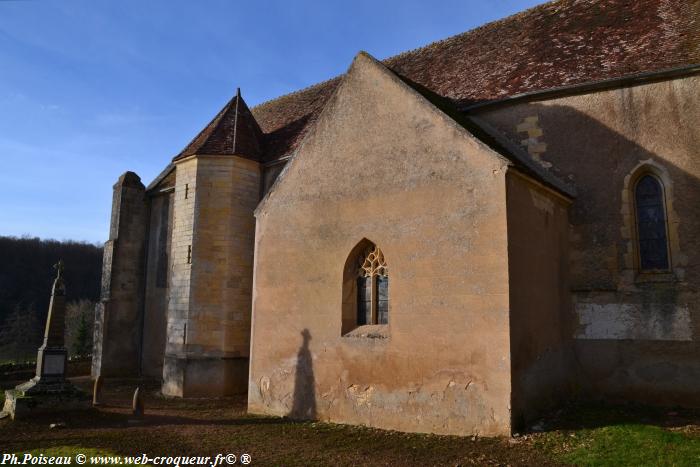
x=637, y=335
x=209, y=327
x=117, y=341
x=179, y=283
x=181, y=247
x=228, y=192
x=158, y=266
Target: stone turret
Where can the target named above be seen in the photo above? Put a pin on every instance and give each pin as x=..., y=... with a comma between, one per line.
x=232, y=132
x=216, y=190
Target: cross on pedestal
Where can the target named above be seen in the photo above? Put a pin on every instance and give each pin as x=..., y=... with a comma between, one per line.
x=48, y=390
x=51, y=356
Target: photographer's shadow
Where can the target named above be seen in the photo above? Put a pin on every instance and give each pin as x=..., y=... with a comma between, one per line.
x=304, y=402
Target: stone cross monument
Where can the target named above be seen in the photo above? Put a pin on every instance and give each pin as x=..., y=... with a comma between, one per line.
x=51, y=357
x=48, y=390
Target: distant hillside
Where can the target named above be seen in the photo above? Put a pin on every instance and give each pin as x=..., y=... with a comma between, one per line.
x=26, y=276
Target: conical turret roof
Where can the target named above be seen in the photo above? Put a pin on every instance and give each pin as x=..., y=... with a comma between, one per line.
x=233, y=131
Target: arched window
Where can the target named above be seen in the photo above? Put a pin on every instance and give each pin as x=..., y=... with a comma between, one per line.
x=365, y=287
x=649, y=201
x=372, y=288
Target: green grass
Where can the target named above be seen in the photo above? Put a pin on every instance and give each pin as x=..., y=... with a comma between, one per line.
x=625, y=444
x=579, y=434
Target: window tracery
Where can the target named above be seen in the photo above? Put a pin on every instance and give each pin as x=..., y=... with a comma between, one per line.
x=372, y=288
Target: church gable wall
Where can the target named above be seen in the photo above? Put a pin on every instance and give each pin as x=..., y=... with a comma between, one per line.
x=637, y=335
x=383, y=165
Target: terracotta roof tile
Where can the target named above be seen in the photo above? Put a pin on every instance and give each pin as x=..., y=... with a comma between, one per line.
x=285, y=118
x=233, y=130
x=556, y=44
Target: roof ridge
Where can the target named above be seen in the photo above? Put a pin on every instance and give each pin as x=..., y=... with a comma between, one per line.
x=298, y=91
x=235, y=119
x=409, y=52
x=548, y=46
x=469, y=31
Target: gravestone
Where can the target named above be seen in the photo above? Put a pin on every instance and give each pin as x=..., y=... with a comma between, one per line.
x=97, y=392
x=137, y=404
x=48, y=390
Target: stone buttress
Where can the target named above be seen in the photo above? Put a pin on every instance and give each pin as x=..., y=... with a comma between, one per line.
x=118, y=314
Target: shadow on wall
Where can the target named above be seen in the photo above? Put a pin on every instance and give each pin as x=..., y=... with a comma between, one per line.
x=649, y=358
x=597, y=159
x=304, y=402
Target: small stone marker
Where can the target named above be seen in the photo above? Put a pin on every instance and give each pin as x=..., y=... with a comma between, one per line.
x=97, y=391
x=137, y=404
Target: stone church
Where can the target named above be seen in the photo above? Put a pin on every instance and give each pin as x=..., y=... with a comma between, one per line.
x=452, y=240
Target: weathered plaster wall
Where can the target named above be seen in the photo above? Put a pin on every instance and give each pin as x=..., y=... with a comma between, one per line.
x=540, y=318
x=210, y=298
x=637, y=336
x=117, y=336
x=157, y=272
x=383, y=164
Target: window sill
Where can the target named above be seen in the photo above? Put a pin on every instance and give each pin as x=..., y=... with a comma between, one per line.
x=370, y=331
x=651, y=277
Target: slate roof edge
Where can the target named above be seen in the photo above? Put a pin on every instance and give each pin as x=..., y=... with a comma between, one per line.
x=634, y=79
x=159, y=178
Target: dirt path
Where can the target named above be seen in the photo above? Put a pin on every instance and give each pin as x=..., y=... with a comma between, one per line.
x=209, y=427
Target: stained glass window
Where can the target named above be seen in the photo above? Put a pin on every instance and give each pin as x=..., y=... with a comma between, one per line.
x=651, y=224
x=364, y=300
x=372, y=288
x=382, y=300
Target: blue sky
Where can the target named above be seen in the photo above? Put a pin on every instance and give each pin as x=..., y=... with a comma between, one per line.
x=92, y=88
